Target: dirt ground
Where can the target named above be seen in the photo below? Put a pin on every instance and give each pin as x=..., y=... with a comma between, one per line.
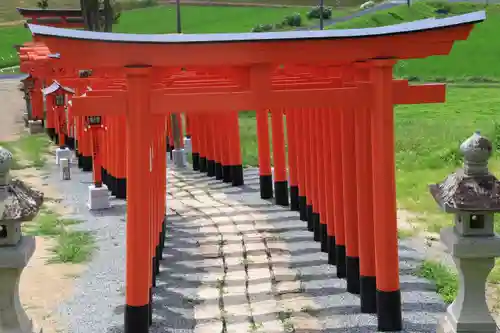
x=43, y=286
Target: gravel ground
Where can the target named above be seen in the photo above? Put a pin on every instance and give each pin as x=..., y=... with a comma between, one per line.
x=294, y=281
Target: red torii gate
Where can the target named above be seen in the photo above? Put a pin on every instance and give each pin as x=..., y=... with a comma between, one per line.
x=59, y=18
x=254, y=56
x=56, y=99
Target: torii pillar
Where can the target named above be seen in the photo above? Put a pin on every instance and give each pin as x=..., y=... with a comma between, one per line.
x=135, y=104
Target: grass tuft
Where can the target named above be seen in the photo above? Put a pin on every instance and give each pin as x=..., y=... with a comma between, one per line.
x=445, y=280
x=71, y=246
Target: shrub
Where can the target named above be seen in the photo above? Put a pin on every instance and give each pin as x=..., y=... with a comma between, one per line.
x=294, y=20
x=315, y=12
x=262, y=28
x=43, y=4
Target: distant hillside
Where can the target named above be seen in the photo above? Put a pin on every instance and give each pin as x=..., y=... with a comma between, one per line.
x=474, y=60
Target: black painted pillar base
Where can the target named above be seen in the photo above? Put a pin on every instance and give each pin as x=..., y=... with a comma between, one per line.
x=169, y=147
x=121, y=188
x=266, y=186
x=104, y=178
x=70, y=143
x=153, y=270
x=86, y=163
x=210, y=168
x=281, y=193
x=56, y=138
x=218, y=171
x=162, y=237
x=341, y=264
x=352, y=275
x=294, y=198
x=79, y=160
x=113, y=184
x=303, y=208
x=310, y=218
x=196, y=161
x=323, y=237
x=332, y=251
x=50, y=133
x=150, y=306
x=158, y=256
x=389, y=311
x=317, y=225
x=66, y=140
x=137, y=319
x=237, y=175
x=203, y=164
x=368, y=294
x=226, y=174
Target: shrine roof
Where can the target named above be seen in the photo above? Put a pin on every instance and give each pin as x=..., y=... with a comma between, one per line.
x=50, y=11
x=403, y=28
x=54, y=87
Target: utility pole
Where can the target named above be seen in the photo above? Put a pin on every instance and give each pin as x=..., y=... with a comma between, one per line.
x=178, y=8
x=321, y=9
x=176, y=131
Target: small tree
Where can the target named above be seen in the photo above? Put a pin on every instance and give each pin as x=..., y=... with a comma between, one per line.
x=43, y=4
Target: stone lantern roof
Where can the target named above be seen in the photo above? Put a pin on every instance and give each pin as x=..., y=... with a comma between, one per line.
x=18, y=202
x=472, y=188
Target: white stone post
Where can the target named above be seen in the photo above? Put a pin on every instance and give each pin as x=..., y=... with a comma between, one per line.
x=64, y=169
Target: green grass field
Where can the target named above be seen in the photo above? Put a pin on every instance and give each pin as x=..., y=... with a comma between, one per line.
x=306, y=3
x=473, y=60
x=201, y=19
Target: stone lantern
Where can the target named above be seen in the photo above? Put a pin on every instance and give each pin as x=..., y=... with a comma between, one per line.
x=472, y=194
x=18, y=203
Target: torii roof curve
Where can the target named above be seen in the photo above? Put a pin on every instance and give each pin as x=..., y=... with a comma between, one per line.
x=406, y=40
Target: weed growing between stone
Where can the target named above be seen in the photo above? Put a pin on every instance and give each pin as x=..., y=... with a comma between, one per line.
x=446, y=281
x=71, y=246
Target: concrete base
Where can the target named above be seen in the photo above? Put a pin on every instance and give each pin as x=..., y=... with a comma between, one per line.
x=448, y=324
x=187, y=145
x=62, y=153
x=98, y=197
x=474, y=258
x=13, y=318
x=64, y=169
x=35, y=127
x=179, y=157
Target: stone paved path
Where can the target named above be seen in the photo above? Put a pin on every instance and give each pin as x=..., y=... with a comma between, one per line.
x=236, y=263
x=233, y=263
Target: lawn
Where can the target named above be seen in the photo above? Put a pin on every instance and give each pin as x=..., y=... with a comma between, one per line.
x=10, y=36
x=474, y=60
x=307, y=3
x=202, y=19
